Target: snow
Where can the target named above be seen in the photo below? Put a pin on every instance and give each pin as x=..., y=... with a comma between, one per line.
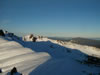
x=64, y=66
x=45, y=57
x=89, y=50
x=14, y=73
x=13, y=54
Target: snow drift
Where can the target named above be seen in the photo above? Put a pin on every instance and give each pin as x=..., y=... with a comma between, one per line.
x=13, y=54
x=45, y=56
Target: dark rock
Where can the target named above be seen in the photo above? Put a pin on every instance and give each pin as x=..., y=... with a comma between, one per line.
x=6, y=32
x=10, y=34
x=34, y=39
x=93, y=60
x=14, y=70
x=0, y=70
x=31, y=36
x=2, y=33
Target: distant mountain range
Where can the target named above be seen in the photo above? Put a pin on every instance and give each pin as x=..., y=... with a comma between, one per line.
x=83, y=41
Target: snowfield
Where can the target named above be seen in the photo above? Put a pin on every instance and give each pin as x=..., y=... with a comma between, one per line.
x=46, y=57
x=12, y=54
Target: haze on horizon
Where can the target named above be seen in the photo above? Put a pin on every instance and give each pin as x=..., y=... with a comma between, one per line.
x=60, y=18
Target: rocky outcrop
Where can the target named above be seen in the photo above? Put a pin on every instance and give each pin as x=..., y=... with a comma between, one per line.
x=10, y=34
x=0, y=70
x=30, y=37
x=14, y=72
x=2, y=33
x=92, y=60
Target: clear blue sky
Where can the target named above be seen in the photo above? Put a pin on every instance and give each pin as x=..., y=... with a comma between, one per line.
x=63, y=18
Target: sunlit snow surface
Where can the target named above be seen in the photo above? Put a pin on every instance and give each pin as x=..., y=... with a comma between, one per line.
x=45, y=57
x=13, y=54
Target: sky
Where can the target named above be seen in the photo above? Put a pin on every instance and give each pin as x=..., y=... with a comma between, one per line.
x=55, y=18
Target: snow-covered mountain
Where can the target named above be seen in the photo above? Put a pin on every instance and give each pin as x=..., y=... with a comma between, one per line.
x=47, y=57
x=81, y=44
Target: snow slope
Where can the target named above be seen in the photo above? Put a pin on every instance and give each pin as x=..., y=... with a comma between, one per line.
x=63, y=62
x=89, y=50
x=45, y=57
x=13, y=54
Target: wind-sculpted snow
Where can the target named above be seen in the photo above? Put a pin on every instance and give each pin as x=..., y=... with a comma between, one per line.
x=46, y=57
x=93, y=51
x=66, y=59
x=12, y=54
